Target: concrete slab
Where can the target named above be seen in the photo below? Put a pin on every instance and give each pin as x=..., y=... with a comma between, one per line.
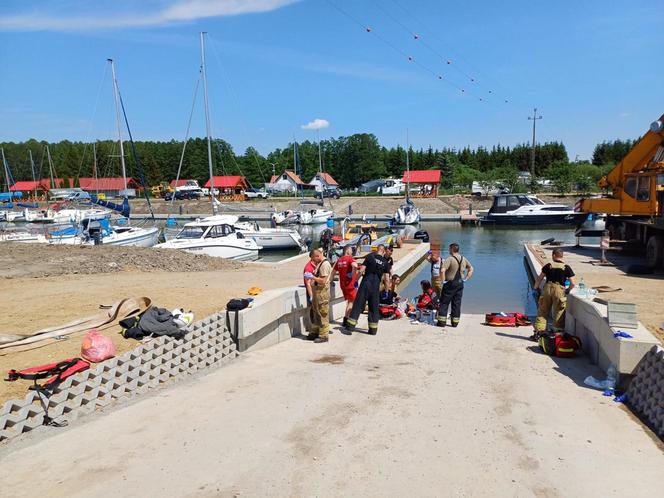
x=413, y=411
x=588, y=320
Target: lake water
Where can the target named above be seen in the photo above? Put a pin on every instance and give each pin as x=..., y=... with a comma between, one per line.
x=500, y=281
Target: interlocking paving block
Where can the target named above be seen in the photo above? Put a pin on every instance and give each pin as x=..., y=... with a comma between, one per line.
x=645, y=394
x=163, y=359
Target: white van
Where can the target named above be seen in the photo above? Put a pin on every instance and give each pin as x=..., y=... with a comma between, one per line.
x=393, y=187
x=494, y=189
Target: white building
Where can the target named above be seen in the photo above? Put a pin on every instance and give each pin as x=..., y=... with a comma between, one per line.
x=322, y=181
x=288, y=181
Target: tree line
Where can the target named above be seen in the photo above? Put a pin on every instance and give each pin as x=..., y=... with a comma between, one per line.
x=351, y=160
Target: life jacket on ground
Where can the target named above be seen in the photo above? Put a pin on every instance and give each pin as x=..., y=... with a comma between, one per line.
x=56, y=371
x=507, y=320
x=559, y=345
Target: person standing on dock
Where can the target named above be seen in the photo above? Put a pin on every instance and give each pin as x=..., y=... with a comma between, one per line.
x=320, y=301
x=389, y=250
x=308, y=273
x=454, y=268
x=373, y=269
x=553, y=297
x=346, y=267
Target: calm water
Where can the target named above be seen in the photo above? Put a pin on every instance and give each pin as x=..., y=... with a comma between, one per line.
x=500, y=281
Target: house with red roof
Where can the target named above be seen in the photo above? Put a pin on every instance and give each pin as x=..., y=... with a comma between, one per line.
x=423, y=182
x=287, y=181
x=41, y=187
x=110, y=187
x=228, y=185
x=322, y=181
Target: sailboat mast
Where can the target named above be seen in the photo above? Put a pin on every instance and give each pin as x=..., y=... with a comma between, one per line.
x=207, y=121
x=50, y=167
x=320, y=156
x=6, y=168
x=116, y=99
x=32, y=165
x=407, y=166
x=94, y=165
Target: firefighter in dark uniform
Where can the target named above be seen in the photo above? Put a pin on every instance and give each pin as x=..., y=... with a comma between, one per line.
x=373, y=268
x=454, y=268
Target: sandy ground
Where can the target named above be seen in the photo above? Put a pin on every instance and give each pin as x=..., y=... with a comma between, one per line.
x=361, y=205
x=414, y=411
x=31, y=304
x=646, y=291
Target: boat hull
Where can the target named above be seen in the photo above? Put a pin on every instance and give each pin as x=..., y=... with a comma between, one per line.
x=535, y=220
x=274, y=241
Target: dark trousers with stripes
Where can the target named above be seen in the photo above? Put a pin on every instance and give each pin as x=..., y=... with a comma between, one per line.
x=368, y=293
x=452, y=294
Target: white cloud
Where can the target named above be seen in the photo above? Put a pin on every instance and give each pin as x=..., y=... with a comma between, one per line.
x=177, y=11
x=316, y=124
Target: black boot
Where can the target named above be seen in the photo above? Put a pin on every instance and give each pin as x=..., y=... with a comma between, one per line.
x=345, y=322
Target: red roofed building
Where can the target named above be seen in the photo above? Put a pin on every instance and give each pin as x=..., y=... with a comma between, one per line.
x=229, y=185
x=111, y=187
x=41, y=186
x=322, y=181
x=425, y=181
x=288, y=181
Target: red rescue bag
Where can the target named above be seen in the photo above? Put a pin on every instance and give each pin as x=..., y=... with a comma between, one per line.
x=507, y=320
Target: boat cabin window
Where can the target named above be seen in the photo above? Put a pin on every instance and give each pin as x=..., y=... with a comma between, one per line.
x=219, y=231
x=191, y=233
x=389, y=183
x=501, y=202
x=630, y=186
x=643, y=189
x=513, y=201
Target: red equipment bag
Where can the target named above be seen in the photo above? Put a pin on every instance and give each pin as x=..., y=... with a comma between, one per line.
x=567, y=345
x=507, y=320
x=56, y=371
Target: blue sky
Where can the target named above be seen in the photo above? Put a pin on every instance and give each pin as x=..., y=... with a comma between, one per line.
x=592, y=68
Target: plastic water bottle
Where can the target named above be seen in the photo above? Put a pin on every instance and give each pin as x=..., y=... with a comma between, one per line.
x=567, y=284
x=582, y=288
x=611, y=380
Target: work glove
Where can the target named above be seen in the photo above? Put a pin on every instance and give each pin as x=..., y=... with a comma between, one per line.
x=308, y=275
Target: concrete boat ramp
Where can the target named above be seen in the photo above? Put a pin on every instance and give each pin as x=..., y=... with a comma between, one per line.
x=413, y=411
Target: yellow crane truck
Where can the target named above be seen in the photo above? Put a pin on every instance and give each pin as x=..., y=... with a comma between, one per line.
x=634, y=204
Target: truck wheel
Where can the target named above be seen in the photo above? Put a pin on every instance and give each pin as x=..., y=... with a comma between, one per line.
x=655, y=251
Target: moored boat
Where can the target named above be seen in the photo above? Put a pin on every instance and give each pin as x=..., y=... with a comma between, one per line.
x=526, y=209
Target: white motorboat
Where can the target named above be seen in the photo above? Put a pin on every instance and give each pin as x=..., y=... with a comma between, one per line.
x=271, y=238
x=407, y=214
x=524, y=209
x=9, y=216
x=314, y=216
x=214, y=236
x=288, y=217
x=63, y=216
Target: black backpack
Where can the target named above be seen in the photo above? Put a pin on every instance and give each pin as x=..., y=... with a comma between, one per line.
x=237, y=304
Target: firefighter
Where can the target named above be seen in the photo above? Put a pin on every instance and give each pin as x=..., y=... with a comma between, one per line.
x=553, y=297
x=457, y=270
x=369, y=292
x=320, y=301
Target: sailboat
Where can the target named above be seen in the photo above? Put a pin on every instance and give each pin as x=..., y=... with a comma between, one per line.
x=407, y=213
x=304, y=216
x=215, y=235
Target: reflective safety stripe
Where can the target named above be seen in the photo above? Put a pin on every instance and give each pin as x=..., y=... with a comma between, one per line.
x=373, y=325
x=566, y=350
x=456, y=320
x=352, y=322
x=441, y=320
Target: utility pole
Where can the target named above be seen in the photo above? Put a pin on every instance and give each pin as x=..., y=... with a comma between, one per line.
x=532, y=152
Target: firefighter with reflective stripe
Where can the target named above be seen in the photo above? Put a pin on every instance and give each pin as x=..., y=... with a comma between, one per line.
x=454, y=268
x=373, y=268
x=553, y=298
x=320, y=301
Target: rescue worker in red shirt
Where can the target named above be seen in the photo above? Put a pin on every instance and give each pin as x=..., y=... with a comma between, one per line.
x=307, y=275
x=346, y=267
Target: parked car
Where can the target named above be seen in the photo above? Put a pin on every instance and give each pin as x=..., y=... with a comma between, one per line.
x=180, y=195
x=255, y=193
x=494, y=189
x=332, y=192
x=79, y=195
